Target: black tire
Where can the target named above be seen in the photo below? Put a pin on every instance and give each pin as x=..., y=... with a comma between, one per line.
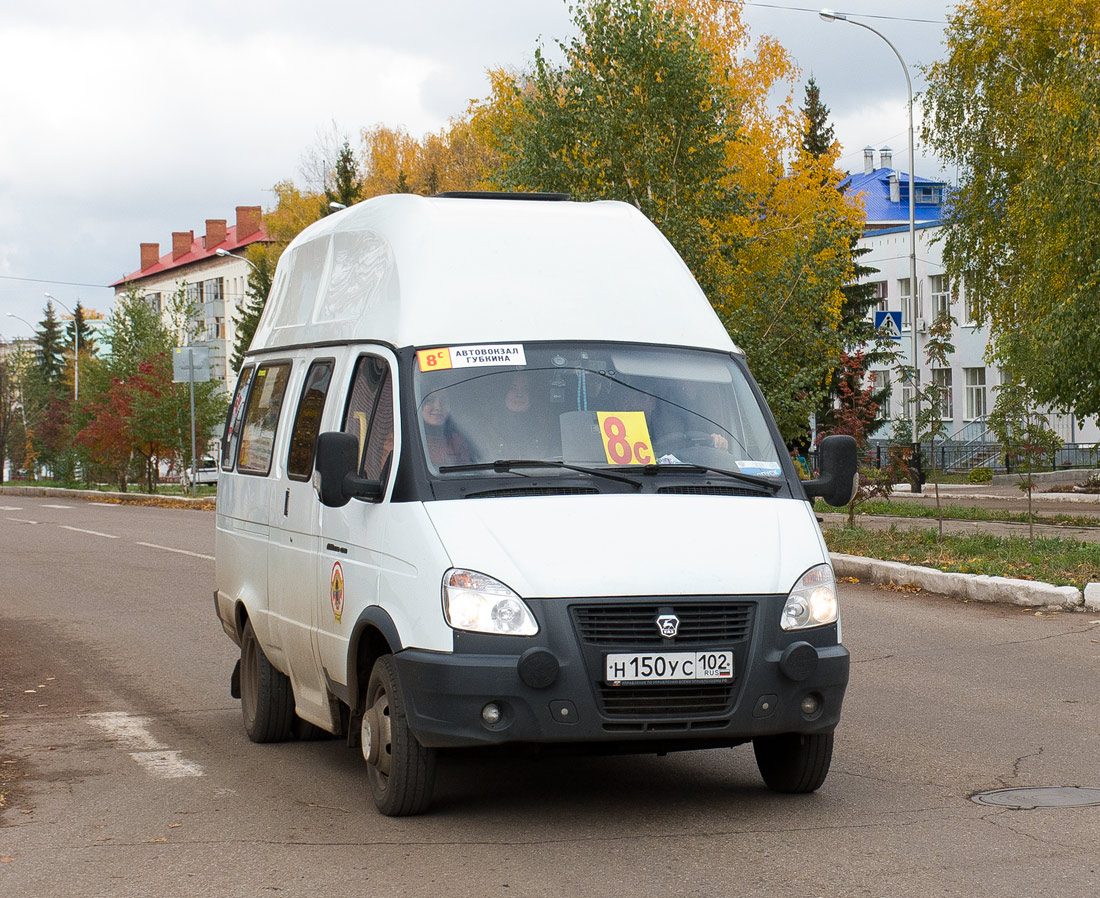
x=794, y=762
x=267, y=700
x=401, y=771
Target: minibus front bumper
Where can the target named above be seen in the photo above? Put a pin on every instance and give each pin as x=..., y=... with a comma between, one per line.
x=552, y=688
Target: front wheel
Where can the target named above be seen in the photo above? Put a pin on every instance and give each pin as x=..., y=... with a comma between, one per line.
x=401, y=771
x=267, y=699
x=794, y=762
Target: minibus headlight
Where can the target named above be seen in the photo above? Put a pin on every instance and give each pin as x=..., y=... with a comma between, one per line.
x=812, y=600
x=476, y=602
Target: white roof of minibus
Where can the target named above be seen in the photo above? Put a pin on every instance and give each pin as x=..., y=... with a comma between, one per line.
x=415, y=271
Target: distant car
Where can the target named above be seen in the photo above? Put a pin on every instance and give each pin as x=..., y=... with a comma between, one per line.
x=207, y=473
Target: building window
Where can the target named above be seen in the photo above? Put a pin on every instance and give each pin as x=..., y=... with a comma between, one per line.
x=193, y=293
x=939, y=288
x=880, y=293
x=880, y=379
x=213, y=290
x=941, y=380
x=928, y=193
x=903, y=289
x=970, y=307
x=156, y=302
x=975, y=392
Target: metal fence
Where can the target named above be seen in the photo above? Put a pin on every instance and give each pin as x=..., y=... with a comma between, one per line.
x=964, y=457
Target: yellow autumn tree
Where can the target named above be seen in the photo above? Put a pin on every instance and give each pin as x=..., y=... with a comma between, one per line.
x=665, y=104
x=454, y=158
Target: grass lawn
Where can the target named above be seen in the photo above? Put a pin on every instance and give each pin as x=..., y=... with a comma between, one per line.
x=1058, y=561
x=904, y=509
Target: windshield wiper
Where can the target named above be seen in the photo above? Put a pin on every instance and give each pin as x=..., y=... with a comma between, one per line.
x=508, y=466
x=765, y=484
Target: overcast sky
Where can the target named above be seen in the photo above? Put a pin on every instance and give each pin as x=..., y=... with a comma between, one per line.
x=126, y=120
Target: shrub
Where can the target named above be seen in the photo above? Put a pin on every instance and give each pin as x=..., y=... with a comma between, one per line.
x=981, y=475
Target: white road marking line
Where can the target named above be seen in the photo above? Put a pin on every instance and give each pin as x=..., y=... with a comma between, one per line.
x=107, y=504
x=131, y=733
x=11, y=507
x=92, y=532
x=22, y=521
x=179, y=551
x=167, y=764
x=54, y=506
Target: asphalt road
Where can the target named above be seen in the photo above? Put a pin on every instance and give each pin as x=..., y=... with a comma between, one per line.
x=125, y=770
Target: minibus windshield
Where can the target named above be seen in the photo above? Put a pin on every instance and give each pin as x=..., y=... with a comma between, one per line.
x=587, y=404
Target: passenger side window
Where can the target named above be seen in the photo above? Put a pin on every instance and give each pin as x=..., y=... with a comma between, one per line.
x=234, y=419
x=261, y=420
x=307, y=423
x=369, y=416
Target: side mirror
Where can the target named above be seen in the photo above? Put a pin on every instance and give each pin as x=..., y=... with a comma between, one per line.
x=838, y=476
x=334, y=477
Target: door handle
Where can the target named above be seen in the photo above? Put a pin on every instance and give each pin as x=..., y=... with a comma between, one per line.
x=286, y=503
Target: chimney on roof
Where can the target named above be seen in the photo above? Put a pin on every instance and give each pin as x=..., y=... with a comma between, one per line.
x=150, y=255
x=181, y=243
x=895, y=188
x=887, y=157
x=215, y=232
x=249, y=220
x=868, y=160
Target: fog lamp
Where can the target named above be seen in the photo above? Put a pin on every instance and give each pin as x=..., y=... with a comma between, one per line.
x=491, y=714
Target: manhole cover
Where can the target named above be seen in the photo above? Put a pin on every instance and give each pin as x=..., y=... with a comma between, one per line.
x=1040, y=797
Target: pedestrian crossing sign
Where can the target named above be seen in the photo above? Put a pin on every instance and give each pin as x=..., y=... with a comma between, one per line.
x=888, y=325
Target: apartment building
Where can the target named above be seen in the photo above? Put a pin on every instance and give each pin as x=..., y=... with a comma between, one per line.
x=216, y=285
x=969, y=381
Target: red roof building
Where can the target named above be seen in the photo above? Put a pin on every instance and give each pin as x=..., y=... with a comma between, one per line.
x=216, y=285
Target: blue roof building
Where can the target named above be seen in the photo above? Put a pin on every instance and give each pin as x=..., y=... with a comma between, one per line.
x=968, y=383
x=885, y=192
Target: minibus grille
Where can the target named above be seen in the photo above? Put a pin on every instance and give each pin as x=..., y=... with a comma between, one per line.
x=652, y=700
x=616, y=623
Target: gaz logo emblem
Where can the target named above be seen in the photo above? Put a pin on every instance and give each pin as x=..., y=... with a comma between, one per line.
x=668, y=624
x=336, y=593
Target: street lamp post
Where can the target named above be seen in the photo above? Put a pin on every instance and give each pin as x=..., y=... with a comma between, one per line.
x=829, y=16
x=76, y=345
x=224, y=252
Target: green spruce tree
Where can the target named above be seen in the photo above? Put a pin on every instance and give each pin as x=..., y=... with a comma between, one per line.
x=819, y=137
x=347, y=185
x=50, y=355
x=260, y=276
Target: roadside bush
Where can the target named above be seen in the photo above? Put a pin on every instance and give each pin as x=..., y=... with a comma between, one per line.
x=981, y=475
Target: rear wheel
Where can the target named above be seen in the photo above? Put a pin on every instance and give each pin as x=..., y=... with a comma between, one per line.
x=794, y=762
x=267, y=700
x=401, y=771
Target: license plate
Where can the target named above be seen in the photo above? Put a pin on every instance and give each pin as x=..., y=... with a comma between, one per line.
x=655, y=667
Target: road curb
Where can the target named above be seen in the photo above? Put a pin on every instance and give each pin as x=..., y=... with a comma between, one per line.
x=970, y=587
x=58, y=492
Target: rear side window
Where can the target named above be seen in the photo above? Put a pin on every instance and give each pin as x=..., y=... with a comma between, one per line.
x=261, y=419
x=235, y=418
x=369, y=416
x=307, y=423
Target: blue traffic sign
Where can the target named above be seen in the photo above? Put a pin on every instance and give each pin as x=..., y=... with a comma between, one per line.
x=888, y=324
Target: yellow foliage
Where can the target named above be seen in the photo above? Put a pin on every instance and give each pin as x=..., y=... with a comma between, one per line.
x=455, y=158
x=293, y=212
